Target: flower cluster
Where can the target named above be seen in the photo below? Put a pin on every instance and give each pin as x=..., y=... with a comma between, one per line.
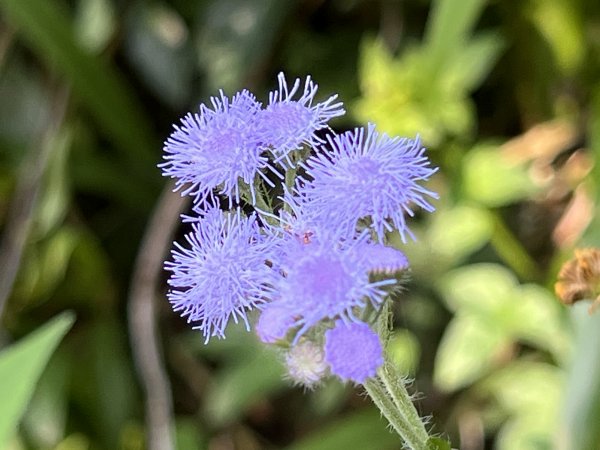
x=315, y=265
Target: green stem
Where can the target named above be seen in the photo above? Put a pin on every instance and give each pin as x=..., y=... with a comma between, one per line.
x=402, y=416
x=396, y=387
x=388, y=391
x=290, y=177
x=261, y=198
x=512, y=251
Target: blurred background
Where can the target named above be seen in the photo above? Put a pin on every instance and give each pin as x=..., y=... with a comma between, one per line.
x=505, y=95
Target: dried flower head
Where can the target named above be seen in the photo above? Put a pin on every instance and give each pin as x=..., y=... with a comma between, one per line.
x=579, y=278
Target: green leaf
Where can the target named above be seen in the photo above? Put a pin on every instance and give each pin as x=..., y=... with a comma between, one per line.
x=365, y=430
x=459, y=231
x=475, y=60
x=467, y=351
x=95, y=24
x=54, y=199
x=436, y=443
x=157, y=45
x=525, y=434
x=559, y=22
x=188, y=436
x=527, y=388
x=26, y=109
x=404, y=351
x=45, y=421
x=528, y=393
x=238, y=386
x=581, y=406
x=104, y=385
x=492, y=180
x=592, y=234
x=20, y=367
x=480, y=289
x=492, y=311
x=47, y=29
x=236, y=37
x=448, y=29
x=538, y=318
x=399, y=98
x=45, y=266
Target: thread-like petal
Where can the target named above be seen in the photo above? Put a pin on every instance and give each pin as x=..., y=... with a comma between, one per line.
x=287, y=124
x=216, y=148
x=222, y=274
x=367, y=176
x=325, y=279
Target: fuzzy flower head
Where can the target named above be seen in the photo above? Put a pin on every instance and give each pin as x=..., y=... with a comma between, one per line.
x=306, y=364
x=222, y=274
x=324, y=280
x=287, y=123
x=367, y=176
x=217, y=147
x=384, y=260
x=353, y=351
x=274, y=323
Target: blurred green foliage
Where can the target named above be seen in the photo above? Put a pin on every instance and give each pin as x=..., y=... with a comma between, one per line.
x=506, y=96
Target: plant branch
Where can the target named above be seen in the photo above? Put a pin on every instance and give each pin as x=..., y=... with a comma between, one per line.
x=145, y=345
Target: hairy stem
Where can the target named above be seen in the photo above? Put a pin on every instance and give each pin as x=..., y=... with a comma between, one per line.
x=397, y=409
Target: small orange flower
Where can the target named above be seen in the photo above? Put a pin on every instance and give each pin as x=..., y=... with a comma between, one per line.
x=579, y=278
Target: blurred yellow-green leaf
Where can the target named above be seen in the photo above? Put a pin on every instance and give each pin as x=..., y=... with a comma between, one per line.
x=529, y=394
x=492, y=180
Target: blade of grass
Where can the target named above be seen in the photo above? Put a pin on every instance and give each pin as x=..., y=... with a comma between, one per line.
x=21, y=365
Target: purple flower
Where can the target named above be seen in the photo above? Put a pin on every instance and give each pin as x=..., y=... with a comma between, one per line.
x=223, y=273
x=217, y=148
x=372, y=177
x=384, y=259
x=287, y=124
x=325, y=279
x=353, y=351
x=274, y=323
x=293, y=221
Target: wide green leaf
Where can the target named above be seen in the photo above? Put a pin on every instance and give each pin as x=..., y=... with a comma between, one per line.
x=448, y=28
x=47, y=29
x=492, y=180
x=20, y=367
x=467, y=351
x=480, y=289
x=528, y=394
x=458, y=231
x=364, y=430
x=240, y=385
